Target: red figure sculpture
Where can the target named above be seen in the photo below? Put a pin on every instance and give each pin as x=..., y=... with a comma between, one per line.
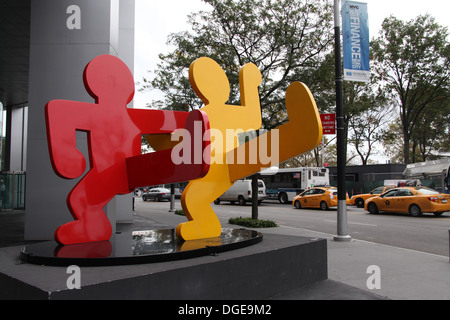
x=114, y=134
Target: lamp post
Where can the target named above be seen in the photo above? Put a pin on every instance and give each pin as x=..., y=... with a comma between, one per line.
x=342, y=233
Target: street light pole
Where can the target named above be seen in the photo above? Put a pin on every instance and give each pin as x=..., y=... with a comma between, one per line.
x=342, y=233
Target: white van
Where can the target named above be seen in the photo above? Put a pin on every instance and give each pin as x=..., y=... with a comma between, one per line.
x=241, y=191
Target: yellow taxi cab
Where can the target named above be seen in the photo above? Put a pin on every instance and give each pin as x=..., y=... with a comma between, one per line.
x=359, y=199
x=412, y=200
x=317, y=197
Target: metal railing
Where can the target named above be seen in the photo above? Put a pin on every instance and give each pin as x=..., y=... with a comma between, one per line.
x=12, y=190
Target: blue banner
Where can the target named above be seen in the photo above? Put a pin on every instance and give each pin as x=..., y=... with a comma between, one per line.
x=355, y=32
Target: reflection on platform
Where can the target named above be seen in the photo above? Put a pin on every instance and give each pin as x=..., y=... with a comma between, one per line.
x=135, y=247
x=101, y=249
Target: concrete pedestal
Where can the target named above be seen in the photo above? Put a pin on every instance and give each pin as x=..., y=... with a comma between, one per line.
x=277, y=265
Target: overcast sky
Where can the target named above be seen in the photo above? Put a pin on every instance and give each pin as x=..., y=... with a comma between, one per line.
x=155, y=20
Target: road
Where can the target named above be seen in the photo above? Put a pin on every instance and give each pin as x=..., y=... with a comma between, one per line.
x=427, y=233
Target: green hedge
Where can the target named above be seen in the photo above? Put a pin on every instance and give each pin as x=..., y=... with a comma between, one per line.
x=180, y=212
x=245, y=222
x=252, y=223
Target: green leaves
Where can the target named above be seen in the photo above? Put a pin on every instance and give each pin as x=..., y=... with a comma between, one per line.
x=292, y=40
x=284, y=38
x=411, y=60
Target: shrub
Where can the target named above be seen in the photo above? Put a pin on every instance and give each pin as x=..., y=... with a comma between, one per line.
x=179, y=212
x=252, y=223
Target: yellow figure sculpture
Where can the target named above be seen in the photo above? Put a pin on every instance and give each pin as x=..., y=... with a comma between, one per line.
x=211, y=85
x=302, y=133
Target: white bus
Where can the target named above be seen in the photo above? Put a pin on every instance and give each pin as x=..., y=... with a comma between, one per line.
x=284, y=184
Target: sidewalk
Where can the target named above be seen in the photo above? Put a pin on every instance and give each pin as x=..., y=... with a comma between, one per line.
x=404, y=274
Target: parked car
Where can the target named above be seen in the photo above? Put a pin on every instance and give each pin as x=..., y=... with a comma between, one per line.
x=317, y=197
x=178, y=193
x=359, y=199
x=412, y=200
x=157, y=194
x=241, y=192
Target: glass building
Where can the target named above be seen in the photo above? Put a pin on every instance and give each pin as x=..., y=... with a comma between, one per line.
x=14, y=73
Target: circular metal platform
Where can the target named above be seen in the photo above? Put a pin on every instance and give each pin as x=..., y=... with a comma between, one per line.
x=137, y=247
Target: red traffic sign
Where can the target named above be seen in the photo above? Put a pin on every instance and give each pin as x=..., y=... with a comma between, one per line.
x=328, y=123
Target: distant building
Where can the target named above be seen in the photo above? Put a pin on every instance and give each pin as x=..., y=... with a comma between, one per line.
x=362, y=179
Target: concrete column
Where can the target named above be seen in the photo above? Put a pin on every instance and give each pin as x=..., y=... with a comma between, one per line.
x=65, y=36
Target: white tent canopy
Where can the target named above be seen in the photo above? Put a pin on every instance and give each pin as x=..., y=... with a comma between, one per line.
x=421, y=169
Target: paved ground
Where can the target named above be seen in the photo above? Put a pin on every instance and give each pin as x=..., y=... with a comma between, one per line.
x=352, y=266
x=404, y=274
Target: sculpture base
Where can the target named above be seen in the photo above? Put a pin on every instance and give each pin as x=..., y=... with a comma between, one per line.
x=138, y=247
x=276, y=266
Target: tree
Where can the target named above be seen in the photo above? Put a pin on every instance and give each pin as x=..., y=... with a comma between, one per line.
x=432, y=133
x=356, y=101
x=286, y=39
x=325, y=152
x=411, y=60
x=366, y=116
x=392, y=141
x=368, y=129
